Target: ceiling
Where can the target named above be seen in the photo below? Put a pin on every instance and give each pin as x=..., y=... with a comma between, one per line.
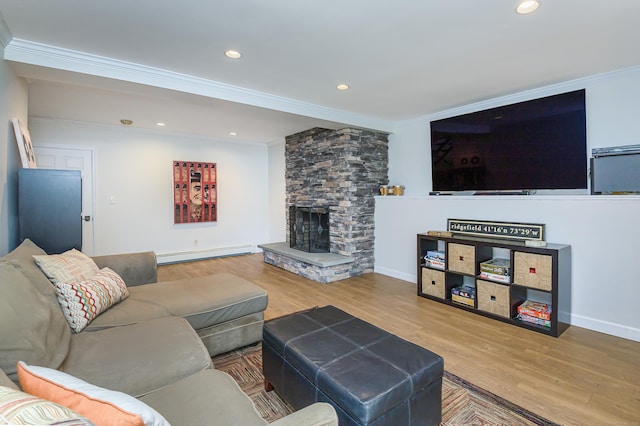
x=159, y=60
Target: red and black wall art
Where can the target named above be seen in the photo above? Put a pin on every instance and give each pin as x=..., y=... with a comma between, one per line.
x=194, y=186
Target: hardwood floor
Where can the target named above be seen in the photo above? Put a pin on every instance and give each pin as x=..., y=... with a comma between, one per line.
x=582, y=378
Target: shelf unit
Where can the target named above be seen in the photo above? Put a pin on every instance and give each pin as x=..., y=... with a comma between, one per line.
x=541, y=274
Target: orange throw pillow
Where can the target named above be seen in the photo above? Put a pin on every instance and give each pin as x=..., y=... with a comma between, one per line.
x=101, y=406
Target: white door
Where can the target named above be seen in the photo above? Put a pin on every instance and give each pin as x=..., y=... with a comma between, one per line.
x=66, y=158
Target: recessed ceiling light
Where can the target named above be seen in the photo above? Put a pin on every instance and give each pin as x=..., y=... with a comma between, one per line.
x=233, y=54
x=342, y=86
x=126, y=122
x=160, y=124
x=233, y=133
x=527, y=6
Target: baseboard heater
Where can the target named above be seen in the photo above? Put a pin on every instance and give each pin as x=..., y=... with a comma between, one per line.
x=191, y=255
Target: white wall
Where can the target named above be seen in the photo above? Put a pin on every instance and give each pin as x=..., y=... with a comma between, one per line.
x=277, y=193
x=135, y=167
x=602, y=230
x=13, y=103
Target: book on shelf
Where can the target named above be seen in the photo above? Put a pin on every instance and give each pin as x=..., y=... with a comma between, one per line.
x=464, y=291
x=435, y=254
x=433, y=263
x=534, y=320
x=535, y=309
x=462, y=300
x=495, y=277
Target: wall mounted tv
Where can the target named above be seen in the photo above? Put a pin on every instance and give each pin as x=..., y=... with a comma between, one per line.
x=527, y=146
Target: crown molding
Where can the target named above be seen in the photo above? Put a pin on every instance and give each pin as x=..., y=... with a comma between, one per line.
x=38, y=54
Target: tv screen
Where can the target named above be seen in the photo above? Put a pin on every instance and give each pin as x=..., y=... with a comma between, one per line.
x=532, y=145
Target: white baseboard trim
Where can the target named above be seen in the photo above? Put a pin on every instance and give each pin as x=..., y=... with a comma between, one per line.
x=606, y=327
x=592, y=324
x=396, y=274
x=187, y=256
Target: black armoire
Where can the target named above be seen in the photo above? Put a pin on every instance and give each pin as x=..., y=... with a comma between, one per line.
x=50, y=208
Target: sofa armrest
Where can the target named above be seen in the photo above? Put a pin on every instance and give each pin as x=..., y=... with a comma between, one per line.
x=317, y=414
x=134, y=268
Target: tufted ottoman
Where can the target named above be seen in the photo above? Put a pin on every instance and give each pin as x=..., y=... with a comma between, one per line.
x=370, y=376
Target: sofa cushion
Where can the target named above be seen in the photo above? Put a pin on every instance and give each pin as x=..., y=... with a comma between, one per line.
x=83, y=301
x=72, y=265
x=203, y=301
x=137, y=358
x=101, y=406
x=17, y=407
x=22, y=258
x=134, y=268
x=197, y=400
x=32, y=329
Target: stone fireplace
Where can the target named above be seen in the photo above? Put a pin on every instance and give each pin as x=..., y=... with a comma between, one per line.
x=342, y=169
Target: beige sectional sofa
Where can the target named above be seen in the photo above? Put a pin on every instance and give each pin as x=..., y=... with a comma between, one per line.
x=155, y=345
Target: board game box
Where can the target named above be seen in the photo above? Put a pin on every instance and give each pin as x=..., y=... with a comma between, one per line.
x=535, y=309
x=497, y=266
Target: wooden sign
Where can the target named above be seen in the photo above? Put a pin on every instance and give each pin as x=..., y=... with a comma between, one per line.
x=507, y=230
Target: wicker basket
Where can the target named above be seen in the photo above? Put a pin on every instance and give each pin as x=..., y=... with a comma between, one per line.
x=532, y=270
x=493, y=298
x=461, y=258
x=433, y=283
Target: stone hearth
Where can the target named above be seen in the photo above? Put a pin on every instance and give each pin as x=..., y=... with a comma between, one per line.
x=342, y=169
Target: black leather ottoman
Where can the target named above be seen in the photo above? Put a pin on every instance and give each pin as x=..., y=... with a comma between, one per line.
x=370, y=376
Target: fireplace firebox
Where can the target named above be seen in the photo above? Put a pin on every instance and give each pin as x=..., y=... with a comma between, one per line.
x=309, y=229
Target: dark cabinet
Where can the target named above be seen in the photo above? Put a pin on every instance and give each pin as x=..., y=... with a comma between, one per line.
x=50, y=208
x=494, y=278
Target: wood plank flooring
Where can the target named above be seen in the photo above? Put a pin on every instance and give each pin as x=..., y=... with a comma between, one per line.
x=582, y=378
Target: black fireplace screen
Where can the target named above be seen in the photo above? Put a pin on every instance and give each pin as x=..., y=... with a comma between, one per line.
x=309, y=228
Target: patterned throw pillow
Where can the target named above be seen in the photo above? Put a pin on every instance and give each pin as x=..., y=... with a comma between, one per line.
x=72, y=265
x=101, y=406
x=83, y=301
x=19, y=408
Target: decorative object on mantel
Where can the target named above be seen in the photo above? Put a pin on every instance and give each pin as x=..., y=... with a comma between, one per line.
x=194, y=192
x=508, y=230
x=25, y=147
x=391, y=189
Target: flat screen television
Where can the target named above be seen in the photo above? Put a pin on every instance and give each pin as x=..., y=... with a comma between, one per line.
x=527, y=146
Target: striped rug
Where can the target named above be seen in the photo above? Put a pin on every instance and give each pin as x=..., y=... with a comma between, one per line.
x=462, y=402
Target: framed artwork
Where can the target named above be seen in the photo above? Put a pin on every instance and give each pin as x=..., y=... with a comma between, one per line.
x=194, y=192
x=27, y=155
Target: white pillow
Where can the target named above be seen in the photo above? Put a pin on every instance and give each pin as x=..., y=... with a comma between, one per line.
x=72, y=265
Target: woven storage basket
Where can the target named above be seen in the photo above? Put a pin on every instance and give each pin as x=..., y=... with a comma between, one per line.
x=493, y=298
x=461, y=258
x=532, y=270
x=433, y=283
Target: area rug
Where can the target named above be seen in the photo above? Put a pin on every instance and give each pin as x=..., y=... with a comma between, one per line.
x=462, y=402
